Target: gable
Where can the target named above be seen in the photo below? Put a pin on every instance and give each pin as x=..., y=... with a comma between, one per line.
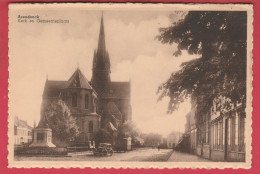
x=78, y=80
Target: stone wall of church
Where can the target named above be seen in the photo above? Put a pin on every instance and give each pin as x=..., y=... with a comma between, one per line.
x=80, y=101
x=88, y=127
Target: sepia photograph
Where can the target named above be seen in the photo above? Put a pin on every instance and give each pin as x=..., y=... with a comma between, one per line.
x=130, y=85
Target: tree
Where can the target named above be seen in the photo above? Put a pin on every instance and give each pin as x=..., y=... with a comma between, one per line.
x=103, y=136
x=63, y=124
x=219, y=39
x=152, y=139
x=127, y=129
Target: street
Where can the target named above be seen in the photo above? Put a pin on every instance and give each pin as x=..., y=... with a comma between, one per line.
x=144, y=154
x=185, y=157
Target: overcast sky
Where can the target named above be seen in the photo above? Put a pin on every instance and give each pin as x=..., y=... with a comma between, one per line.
x=38, y=50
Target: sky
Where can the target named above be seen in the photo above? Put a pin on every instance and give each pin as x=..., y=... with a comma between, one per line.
x=54, y=51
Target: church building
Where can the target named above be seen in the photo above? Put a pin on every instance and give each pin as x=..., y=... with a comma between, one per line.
x=99, y=103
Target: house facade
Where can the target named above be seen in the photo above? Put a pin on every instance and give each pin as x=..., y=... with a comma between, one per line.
x=99, y=103
x=219, y=136
x=22, y=132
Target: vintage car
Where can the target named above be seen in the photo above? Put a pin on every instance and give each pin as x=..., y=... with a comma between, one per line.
x=103, y=149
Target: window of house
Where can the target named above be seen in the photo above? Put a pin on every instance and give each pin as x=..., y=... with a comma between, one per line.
x=207, y=130
x=229, y=130
x=236, y=130
x=233, y=133
x=94, y=105
x=204, y=132
x=90, y=127
x=241, y=138
x=74, y=100
x=199, y=135
x=216, y=135
x=221, y=134
x=86, y=101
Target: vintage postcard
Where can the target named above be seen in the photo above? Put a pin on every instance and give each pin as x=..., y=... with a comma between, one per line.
x=130, y=85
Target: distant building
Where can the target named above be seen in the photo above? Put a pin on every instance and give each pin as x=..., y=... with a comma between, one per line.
x=139, y=141
x=22, y=132
x=173, y=139
x=99, y=103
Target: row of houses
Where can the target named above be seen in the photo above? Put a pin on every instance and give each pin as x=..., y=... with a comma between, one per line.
x=219, y=136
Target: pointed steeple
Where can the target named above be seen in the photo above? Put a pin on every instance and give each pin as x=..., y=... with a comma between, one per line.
x=101, y=63
x=101, y=39
x=101, y=58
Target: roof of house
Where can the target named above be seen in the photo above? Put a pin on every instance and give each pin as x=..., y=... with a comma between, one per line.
x=21, y=123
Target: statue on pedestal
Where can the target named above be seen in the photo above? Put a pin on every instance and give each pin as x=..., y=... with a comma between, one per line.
x=42, y=134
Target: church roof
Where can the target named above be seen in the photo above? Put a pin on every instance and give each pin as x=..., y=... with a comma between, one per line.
x=78, y=80
x=53, y=88
x=119, y=89
x=111, y=127
x=113, y=110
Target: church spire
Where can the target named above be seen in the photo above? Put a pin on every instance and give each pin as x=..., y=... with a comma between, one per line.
x=101, y=63
x=101, y=58
x=101, y=39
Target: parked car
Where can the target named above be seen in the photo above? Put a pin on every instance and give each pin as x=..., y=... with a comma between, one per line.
x=103, y=149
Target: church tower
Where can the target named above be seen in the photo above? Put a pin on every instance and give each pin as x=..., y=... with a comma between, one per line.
x=101, y=64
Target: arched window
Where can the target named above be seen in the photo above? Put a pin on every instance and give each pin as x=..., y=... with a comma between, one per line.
x=94, y=105
x=90, y=127
x=74, y=100
x=86, y=101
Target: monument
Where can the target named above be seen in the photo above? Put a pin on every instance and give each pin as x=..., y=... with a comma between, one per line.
x=42, y=135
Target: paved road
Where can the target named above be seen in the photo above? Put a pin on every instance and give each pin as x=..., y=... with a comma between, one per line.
x=144, y=154
x=185, y=157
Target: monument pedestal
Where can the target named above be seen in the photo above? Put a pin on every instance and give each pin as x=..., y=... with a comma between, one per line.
x=42, y=134
x=42, y=137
